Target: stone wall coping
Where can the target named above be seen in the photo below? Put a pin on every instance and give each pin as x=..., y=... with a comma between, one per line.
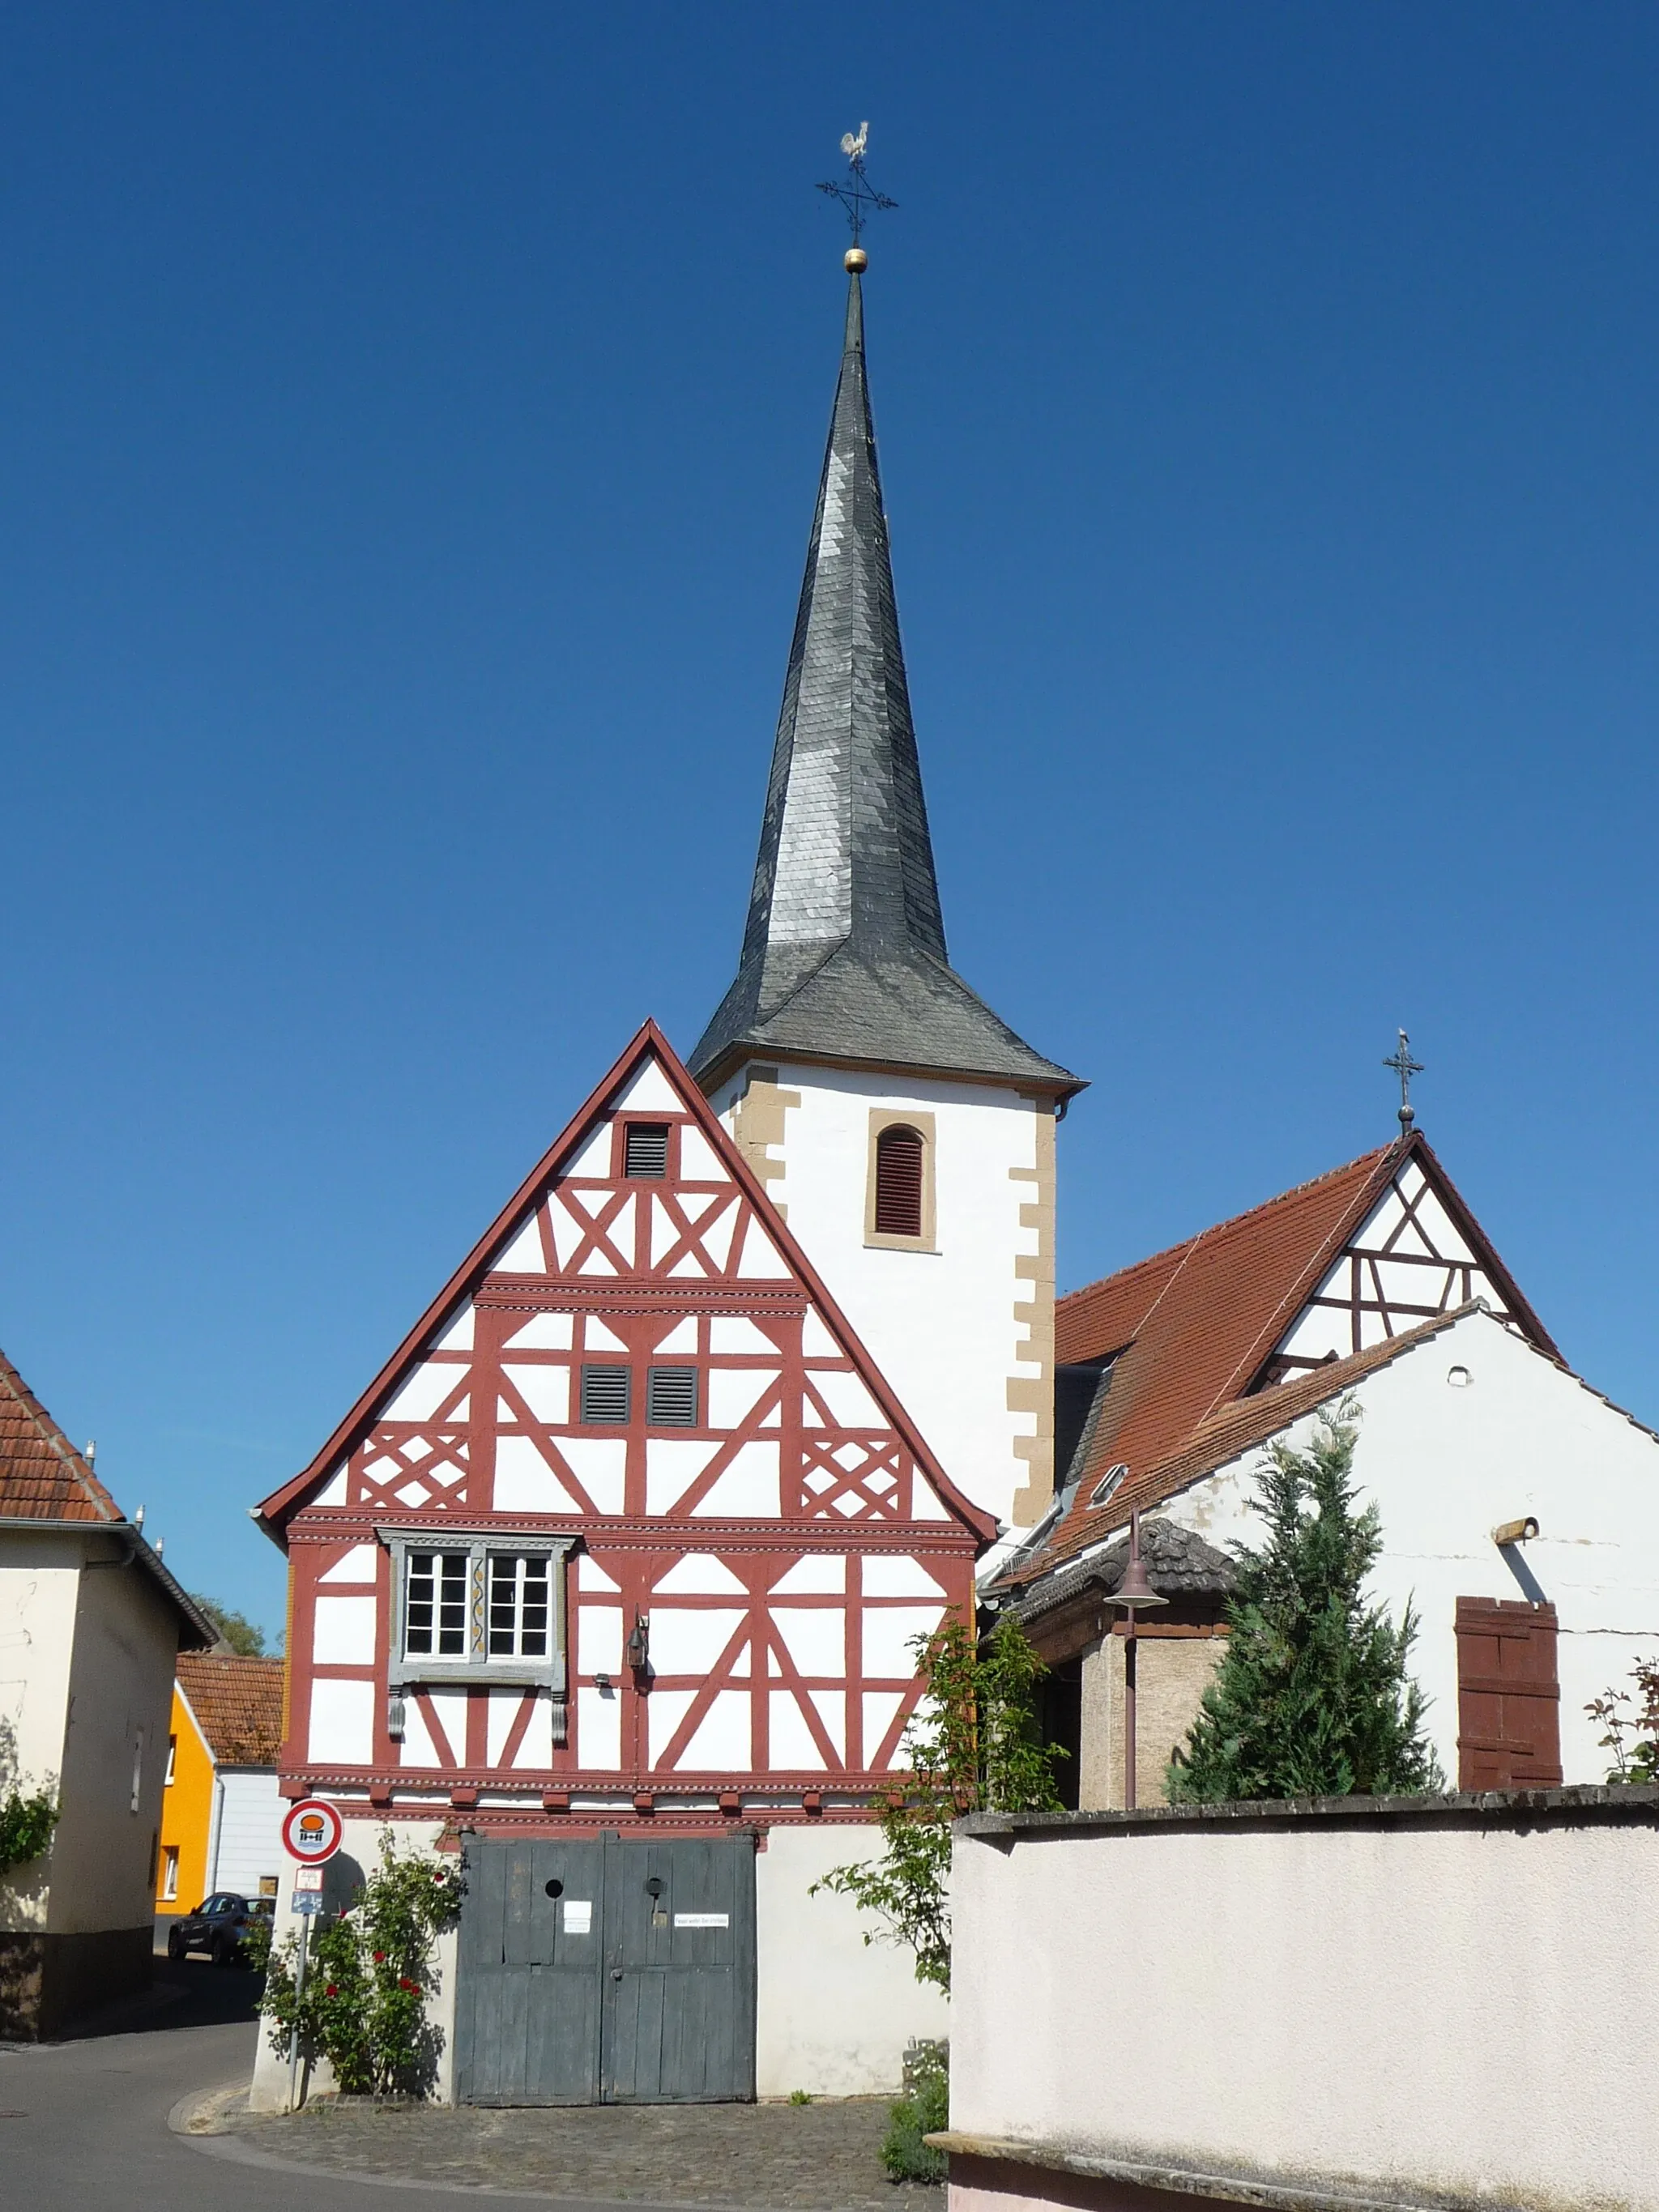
x=1269, y=2193
x=1585, y=1805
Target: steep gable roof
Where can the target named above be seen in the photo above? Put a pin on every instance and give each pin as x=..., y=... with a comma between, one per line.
x=237, y=1704
x=650, y=1071
x=42, y=1476
x=1187, y=1339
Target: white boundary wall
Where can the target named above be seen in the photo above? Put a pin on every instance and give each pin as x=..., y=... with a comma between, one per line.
x=1461, y=1997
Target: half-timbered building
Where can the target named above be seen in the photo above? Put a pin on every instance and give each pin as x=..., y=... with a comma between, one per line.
x=630, y=1533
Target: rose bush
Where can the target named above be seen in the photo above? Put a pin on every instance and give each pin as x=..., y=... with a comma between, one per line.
x=361, y=2006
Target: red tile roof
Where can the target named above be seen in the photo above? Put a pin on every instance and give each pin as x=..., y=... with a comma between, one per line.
x=1189, y=1332
x=42, y=1476
x=238, y=1704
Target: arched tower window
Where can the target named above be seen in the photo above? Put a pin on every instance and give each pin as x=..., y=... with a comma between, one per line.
x=900, y=1155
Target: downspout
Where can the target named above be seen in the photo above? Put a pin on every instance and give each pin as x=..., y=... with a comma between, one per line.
x=215, y=1829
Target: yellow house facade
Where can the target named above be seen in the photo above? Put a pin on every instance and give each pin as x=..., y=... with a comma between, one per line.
x=220, y=1813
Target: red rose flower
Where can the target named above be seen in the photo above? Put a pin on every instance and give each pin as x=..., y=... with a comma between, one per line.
x=332, y=1991
x=403, y=1983
x=379, y=1958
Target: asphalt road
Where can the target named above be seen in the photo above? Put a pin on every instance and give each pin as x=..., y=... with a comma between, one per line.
x=83, y=2125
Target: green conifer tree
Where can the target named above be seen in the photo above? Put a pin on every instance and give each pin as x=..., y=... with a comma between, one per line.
x=1312, y=1697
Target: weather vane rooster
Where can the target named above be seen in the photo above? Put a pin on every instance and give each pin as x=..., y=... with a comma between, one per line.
x=857, y=195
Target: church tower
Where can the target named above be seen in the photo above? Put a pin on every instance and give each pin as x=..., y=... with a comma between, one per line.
x=905, y=1133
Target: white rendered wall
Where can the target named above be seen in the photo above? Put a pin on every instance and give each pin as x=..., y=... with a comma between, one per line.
x=247, y=1834
x=1459, y=2004
x=833, y=2015
x=1449, y=1465
x=126, y=1645
x=39, y=1582
x=940, y=1325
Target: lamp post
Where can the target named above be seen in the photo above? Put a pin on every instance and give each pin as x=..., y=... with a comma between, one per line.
x=1132, y=1595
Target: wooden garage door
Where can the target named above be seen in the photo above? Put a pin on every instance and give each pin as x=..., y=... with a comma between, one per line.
x=1509, y=1697
x=595, y=1971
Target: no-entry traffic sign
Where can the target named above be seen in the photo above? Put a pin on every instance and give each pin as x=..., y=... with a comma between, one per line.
x=311, y=1831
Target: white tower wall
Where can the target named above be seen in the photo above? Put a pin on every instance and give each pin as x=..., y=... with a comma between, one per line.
x=962, y=1322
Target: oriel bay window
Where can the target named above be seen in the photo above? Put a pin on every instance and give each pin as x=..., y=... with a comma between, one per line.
x=478, y=1607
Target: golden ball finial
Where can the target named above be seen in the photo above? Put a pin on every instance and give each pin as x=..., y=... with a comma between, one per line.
x=855, y=261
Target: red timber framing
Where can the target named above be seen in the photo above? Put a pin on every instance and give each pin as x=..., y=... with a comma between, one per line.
x=738, y=1546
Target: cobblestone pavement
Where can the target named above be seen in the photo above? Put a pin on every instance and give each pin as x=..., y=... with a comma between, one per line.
x=783, y=2155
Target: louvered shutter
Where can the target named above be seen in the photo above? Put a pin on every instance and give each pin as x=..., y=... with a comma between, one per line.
x=898, y=1182
x=645, y=1149
x=670, y=1397
x=605, y=1393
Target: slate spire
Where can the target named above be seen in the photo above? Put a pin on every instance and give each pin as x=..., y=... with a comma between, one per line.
x=843, y=956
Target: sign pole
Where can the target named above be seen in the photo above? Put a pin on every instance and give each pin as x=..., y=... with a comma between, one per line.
x=294, y=2040
x=311, y=1832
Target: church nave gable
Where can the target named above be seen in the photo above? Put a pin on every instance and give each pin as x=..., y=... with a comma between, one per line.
x=1408, y=1261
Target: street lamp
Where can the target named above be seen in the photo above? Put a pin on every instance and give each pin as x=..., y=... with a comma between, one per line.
x=1132, y=1595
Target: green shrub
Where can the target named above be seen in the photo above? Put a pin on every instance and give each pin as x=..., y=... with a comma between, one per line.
x=924, y=2110
x=27, y=1820
x=362, y=2004
x=27, y=1815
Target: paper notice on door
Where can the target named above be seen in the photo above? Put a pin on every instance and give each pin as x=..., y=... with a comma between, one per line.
x=703, y=1920
x=579, y=1916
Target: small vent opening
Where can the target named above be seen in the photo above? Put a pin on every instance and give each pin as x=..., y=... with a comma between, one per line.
x=606, y=1395
x=645, y=1149
x=898, y=1182
x=670, y=1397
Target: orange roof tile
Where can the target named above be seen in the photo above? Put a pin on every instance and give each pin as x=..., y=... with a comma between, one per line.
x=42, y=1476
x=238, y=1704
x=1188, y=1331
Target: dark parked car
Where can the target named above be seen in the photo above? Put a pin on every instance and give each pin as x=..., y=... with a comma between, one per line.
x=219, y=1927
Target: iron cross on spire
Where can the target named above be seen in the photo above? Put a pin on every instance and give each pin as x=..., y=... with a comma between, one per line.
x=1404, y=1068
x=855, y=192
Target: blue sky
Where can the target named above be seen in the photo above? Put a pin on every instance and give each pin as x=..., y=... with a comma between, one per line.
x=410, y=419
